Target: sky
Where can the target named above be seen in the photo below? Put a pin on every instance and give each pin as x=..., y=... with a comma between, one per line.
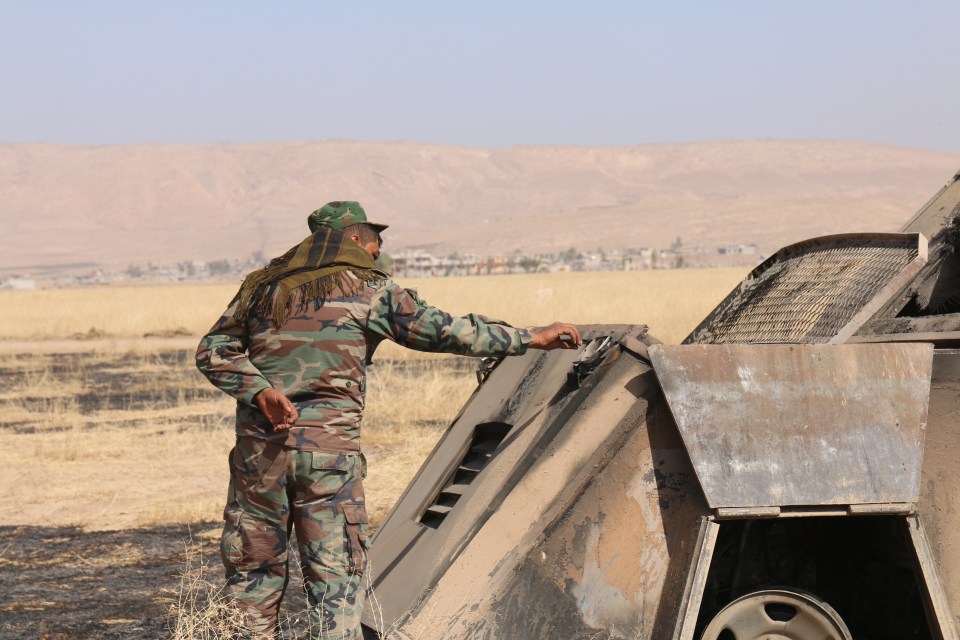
x=489, y=74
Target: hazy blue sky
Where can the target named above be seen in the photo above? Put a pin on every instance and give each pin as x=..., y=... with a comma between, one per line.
x=484, y=73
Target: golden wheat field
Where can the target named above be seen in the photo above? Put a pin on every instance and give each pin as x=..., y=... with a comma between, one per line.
x=126, y=433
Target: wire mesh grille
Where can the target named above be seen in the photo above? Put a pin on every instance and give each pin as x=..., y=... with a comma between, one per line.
x=807, y=295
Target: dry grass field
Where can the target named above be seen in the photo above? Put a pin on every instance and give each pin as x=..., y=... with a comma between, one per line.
x=670, y=301
x=148, y=435
x=106, y=426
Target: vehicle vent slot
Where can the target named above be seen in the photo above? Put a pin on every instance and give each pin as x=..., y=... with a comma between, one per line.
x=486, y=438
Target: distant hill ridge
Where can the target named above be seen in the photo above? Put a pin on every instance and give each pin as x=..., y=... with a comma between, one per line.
x=163, y=203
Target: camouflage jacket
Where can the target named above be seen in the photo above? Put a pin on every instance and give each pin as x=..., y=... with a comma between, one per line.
x=317, y=358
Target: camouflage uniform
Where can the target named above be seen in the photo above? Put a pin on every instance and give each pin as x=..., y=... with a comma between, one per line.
x=310, y=476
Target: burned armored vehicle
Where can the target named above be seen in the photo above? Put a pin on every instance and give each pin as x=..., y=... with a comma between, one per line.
x=789, y=471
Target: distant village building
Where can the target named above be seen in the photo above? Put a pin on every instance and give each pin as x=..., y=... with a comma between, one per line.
x=18, y=283
x=415, y=263
x=738, y=250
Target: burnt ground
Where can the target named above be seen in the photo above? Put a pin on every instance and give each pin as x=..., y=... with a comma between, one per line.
x=68, y=584
x=61, y=583
x=114, y=381
x=164, y=378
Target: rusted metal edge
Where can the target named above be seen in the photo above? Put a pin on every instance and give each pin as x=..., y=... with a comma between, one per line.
x=883, y=509
x=926, y=336
x=746, y=513
x=886, y=509
x=906, y=228
x=741, y=513
x=934, y=600
x=696, y=580
x=891, y=289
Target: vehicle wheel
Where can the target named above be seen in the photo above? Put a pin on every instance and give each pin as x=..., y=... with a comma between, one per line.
x=777, y=614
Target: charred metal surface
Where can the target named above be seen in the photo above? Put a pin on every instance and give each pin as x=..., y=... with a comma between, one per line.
x=800, y=424
x=928, y=307
x=615, y=564
x=934, y=217
x=533, y=397
x=816, y=290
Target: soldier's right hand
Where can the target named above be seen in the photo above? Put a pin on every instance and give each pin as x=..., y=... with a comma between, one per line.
x=277, y=407
x=550, y=337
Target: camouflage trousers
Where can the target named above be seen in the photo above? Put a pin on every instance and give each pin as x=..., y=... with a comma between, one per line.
x=274, y=489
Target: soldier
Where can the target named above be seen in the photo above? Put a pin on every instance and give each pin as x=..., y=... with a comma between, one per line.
x=292, y=349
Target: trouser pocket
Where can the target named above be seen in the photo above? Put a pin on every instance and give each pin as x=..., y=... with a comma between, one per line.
x=231, y=540
x=357, y=538
x=231, y=546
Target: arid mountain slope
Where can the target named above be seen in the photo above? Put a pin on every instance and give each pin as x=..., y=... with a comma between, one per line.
x=118, y=205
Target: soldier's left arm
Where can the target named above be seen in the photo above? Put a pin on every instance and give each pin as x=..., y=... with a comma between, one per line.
x=222, y=358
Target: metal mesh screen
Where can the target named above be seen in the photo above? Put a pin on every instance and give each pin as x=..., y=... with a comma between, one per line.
x=807, y=292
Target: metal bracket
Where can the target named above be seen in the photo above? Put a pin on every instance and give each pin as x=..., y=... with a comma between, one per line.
x=486, y=367
x=589, y=359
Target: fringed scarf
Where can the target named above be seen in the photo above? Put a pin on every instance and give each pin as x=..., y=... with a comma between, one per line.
x=305, y=274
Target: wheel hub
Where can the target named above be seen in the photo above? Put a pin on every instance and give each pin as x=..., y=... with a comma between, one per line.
x=777, y=614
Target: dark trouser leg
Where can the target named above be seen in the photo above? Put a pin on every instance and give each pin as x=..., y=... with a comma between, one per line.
x=254, y=541
x=330, y=517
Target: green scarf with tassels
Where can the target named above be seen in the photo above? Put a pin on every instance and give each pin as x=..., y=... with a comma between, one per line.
x=306, y=273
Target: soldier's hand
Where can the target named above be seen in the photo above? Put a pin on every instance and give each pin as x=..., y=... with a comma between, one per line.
x=277, y=407
x=550, y=337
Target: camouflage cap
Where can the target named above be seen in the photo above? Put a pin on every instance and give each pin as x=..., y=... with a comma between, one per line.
x=340, y=215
